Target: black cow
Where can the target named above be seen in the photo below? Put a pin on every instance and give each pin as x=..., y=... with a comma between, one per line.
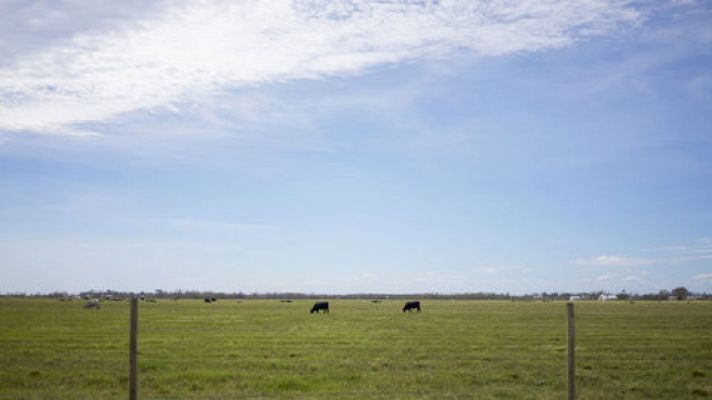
x=207, y=300
x=320, y=306
x=409, y=306
x=213, y=299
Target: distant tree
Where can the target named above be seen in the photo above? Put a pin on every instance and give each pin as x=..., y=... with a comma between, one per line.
x=623, y=295
x=680, y=292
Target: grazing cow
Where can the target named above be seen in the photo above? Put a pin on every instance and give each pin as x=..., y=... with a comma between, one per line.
x=213, y=299
x=207, y=300
x=92, y=303
x=409, y=306
x=320, y=306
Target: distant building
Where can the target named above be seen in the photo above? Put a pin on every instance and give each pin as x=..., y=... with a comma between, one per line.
x=607, y=297
x=574, y=298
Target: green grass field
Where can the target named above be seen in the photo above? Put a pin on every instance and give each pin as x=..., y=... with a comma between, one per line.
x=268, y=349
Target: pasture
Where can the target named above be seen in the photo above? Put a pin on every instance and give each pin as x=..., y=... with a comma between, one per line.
x=271, y=349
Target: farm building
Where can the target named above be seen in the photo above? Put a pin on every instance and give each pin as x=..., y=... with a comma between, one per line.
x=574, y=298
x=607, y=297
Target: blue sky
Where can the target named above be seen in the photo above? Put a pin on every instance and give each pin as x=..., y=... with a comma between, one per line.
x=356, y=146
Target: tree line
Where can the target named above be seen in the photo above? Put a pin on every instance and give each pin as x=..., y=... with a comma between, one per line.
x=678, y=293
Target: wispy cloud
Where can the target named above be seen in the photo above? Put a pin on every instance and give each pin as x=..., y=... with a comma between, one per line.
x=211, y=225
x=613, y=261
x=203, y=48
x=702, y=277
x=605, y=277
x=697, y=250
x=700, y=249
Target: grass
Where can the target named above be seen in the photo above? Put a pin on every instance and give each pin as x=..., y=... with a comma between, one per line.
x=269, y=349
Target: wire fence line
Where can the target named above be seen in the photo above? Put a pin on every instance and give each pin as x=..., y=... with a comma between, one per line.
x=614, y=343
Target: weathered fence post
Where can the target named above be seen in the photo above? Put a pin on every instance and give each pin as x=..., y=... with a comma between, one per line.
x=570, y=344
x=133, y=387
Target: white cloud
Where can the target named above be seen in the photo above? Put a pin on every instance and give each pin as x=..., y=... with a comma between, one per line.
x=606, y=260
x=204, y=47
x=697, y=250
x=702, y=277
x=605, y=277
x=210, y=225
x=369, y=276
x=668, y=255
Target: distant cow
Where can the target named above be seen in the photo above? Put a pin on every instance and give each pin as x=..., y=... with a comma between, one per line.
x=409, y=306
x=320, y=306
x=207, y=300
x=92, y=303
x=213, y=299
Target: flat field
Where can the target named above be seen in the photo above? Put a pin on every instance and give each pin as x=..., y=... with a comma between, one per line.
x=269, y=349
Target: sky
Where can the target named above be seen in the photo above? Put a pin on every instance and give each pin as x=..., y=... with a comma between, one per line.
x=356, y=146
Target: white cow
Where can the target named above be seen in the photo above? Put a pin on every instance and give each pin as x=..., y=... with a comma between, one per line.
x=92, y=303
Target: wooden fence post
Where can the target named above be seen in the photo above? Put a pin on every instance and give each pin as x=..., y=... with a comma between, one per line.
x=570, y=344
x=133, y=388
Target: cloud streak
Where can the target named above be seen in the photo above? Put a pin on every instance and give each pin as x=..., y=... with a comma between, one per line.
x=702, y=277
x=613, y=261
x=203, y=48
x=698, y=250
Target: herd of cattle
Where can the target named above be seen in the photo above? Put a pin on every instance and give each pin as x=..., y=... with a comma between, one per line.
x=324, y=306
x=319, y=306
